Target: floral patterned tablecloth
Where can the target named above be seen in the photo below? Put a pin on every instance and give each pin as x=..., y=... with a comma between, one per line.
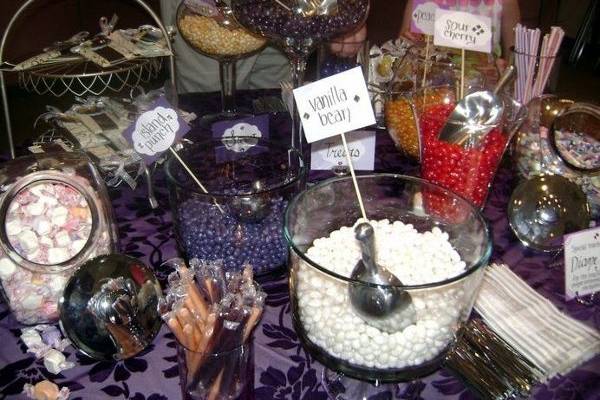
x=283, y=369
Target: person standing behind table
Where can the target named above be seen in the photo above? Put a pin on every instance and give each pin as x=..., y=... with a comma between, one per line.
x=505, y=15
x=198, y=73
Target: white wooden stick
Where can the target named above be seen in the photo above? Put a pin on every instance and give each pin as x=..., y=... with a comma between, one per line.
x=189, y=171
x=427, y=44
x=349, y=160
x=462, y=73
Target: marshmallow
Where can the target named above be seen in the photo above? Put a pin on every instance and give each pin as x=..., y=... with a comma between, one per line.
x=55, y=362
x=57, y=255
x=7, y=268
x=32, y=301
x=13, y=227
x=62, y=239
x=59, y=215
x=36, y=208
x=42, y=226
x=28, y=241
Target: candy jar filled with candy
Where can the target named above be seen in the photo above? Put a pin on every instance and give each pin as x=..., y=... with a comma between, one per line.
x=465, y=168
x=237, y=214
x=561, y=137
x=298, y=27
x=55, y=214
x=209, y=28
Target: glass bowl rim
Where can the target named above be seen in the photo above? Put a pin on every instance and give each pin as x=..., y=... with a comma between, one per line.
x=280, y=186
x=481, y=262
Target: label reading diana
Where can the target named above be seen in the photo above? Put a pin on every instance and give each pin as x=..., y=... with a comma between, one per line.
x=462, y=30
x=334, y=105
x=582, y=263
x=156, y=130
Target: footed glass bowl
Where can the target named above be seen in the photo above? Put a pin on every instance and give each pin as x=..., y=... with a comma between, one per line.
x=249, y=183
x=319, y=279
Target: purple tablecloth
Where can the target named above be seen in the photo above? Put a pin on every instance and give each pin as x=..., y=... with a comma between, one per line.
x=283, y=369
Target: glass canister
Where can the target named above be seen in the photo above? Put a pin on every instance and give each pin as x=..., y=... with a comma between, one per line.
x=238, y=216
x=55, y=214
x=468, y=168
x=573, y=153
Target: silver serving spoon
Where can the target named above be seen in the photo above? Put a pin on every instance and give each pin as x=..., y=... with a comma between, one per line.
x=476, y=115
x=387, y=307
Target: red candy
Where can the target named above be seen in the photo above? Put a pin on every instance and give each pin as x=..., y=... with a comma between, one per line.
x=468, y=172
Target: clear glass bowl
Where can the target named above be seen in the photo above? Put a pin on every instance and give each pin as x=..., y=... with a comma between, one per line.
x=321, y=310
x=249, y=183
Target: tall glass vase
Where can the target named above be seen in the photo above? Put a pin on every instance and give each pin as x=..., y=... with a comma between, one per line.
x=298, y=27
x=212, y=32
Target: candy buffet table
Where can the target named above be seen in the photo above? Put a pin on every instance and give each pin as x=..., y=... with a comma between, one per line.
x=283, y=369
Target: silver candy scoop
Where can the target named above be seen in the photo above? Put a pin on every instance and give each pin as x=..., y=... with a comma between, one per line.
x=476, y=115
x=387, y=307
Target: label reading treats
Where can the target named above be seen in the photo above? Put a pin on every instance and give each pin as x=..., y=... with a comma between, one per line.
x=462, y=30
x=334, y=105
x=156, y=130
x=582, y=262
x=329, y=153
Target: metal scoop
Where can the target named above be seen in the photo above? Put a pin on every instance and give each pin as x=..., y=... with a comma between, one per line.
x=386, y=307
x=476, y=115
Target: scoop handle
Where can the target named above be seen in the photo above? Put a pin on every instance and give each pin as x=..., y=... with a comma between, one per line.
x=364, y=233
x=505, y=78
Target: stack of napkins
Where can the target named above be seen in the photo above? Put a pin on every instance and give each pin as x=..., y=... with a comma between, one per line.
x=532, y=325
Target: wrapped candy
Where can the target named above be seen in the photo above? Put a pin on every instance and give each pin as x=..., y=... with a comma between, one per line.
x=54, y=217
x=46, y=390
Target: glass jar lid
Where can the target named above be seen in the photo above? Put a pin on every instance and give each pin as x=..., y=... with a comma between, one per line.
x=544, y=208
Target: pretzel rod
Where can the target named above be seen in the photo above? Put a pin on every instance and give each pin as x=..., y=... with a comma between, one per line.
x=215, y=388
x=251, y=323
x=177, y=330
x=199, y=304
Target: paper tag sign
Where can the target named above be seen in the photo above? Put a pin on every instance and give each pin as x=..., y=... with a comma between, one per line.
x=329, y=153
x=423, y=16
x=462, y=30
x=257, y=127
x=156, y=130
x=582, y=262
x=333, y=105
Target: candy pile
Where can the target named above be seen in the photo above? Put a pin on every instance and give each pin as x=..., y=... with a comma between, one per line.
x=468, y=172
x=275, y=19
x=48, y=223
x=212, y=314
x=582, y=151
x=46, y=342
x=208, y=36
x=208, y=234
x=330, y=322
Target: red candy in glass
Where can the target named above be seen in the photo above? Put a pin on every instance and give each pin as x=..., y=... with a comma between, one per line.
x=468, y=172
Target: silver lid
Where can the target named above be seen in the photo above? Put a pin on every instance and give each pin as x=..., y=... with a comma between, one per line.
x=109, y=307
x=544, y=208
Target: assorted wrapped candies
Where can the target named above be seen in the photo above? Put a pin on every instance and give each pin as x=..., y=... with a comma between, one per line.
x=55, y=215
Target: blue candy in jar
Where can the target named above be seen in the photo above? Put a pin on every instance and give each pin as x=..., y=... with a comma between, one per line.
x=238, y=216
x=209, y=234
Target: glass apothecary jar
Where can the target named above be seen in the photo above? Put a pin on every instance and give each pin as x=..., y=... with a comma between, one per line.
x=55, y=214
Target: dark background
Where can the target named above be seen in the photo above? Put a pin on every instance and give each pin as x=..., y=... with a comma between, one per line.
x=46, y=21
